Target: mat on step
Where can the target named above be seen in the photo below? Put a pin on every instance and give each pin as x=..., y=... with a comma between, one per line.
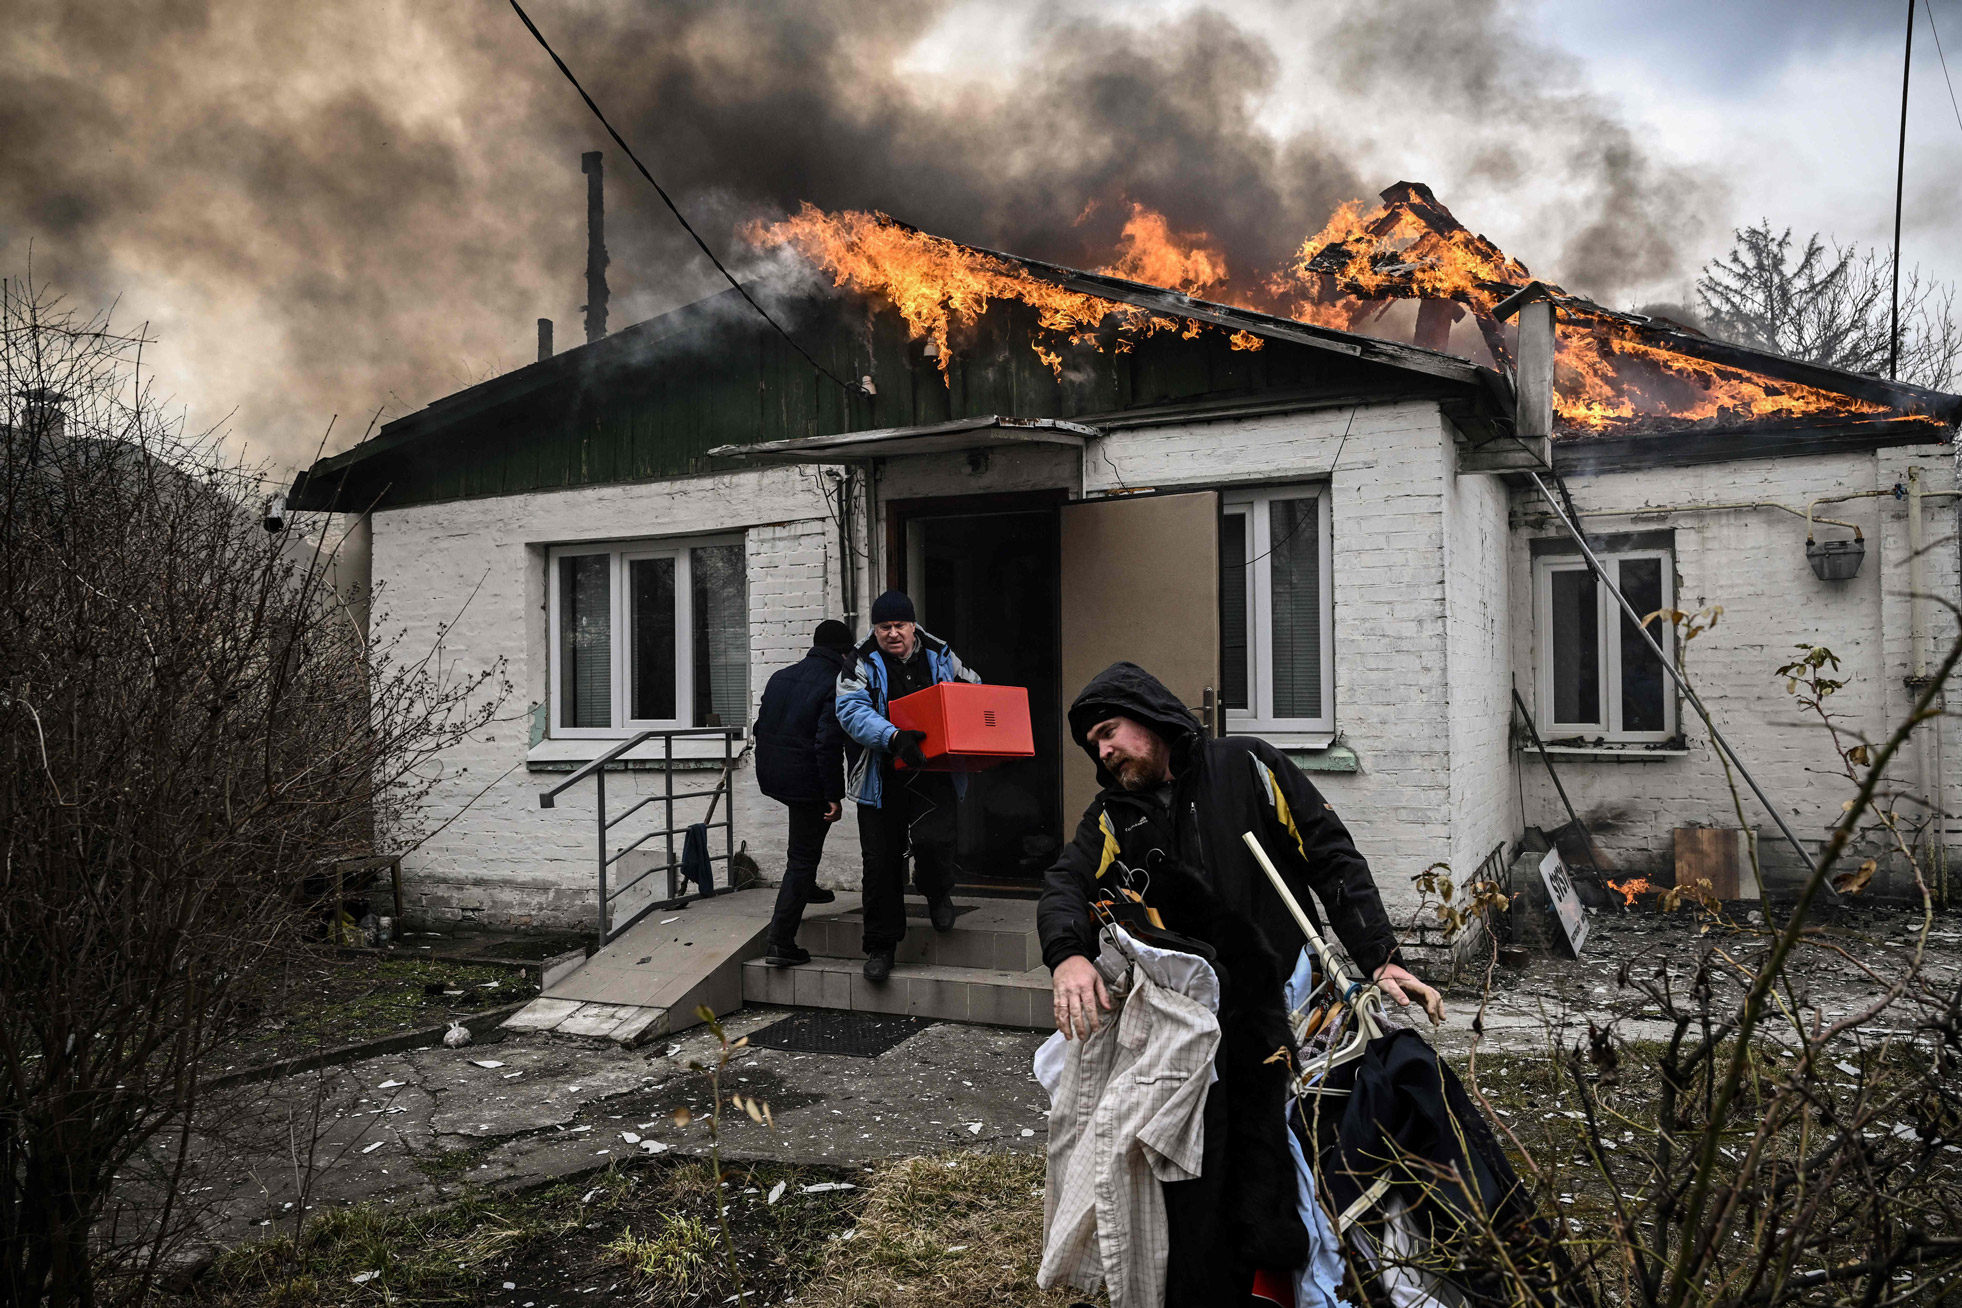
x=838, y=1031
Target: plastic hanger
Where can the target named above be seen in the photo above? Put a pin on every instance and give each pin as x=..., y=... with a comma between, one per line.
x=1364, y=1002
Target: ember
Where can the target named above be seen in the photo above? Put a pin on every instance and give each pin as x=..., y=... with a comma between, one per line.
x=1615, y=372
x=1630, y=888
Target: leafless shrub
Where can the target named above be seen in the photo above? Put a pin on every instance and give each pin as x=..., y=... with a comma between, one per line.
x=193, y=729
x=1775, y=1146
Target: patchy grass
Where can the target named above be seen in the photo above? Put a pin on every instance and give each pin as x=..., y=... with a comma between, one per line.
x=647, y=1233
x=958, y=1231
x=448, y=1164
x=327, y=999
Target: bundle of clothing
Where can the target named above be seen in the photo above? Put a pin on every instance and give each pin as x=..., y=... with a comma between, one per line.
x=1359, y=1168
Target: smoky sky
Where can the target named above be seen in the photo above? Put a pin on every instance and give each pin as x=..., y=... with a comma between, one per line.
x=345, y=208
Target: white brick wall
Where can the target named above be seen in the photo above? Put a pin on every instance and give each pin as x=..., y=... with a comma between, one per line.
x=1433, y=625
x=1484, y=790
x=1752, y=562
x=506, y=859
x=1389, y=468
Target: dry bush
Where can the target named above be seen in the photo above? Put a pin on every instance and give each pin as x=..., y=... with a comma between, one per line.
x=1767, y=1150
x=193, y=728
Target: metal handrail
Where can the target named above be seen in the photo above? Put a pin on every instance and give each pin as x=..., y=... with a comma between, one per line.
x=667, y=797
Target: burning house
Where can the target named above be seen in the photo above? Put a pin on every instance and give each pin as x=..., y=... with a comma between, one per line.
x=1299, y=498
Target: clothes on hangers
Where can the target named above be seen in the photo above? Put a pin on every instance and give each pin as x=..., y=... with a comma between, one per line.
x=1127, y=1112
x=1408, y=1139
x=1400, y=1254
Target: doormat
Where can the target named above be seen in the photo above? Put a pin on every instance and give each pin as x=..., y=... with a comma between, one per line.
x=837, y=1031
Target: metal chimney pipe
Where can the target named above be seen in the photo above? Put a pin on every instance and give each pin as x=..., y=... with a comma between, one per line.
x=544, y=339
x=593, y=165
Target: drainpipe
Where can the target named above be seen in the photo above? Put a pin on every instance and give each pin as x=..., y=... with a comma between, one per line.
x=1918, y=661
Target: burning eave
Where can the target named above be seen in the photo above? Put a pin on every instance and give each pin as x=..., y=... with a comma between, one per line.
x=1906, y=402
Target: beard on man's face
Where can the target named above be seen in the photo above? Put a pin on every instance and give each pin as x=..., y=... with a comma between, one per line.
x=1134, y=772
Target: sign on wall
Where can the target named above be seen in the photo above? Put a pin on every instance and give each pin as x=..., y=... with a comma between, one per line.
x=1566, y=904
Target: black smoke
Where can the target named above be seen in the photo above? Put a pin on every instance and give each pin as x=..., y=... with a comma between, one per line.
x=350, y=207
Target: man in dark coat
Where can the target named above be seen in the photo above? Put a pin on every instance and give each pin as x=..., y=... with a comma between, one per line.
x=800, y=763
x=898, y=811
x=1168, y=824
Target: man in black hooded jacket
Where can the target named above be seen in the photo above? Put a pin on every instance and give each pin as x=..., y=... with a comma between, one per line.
x=800, y=763
x=1168, y=823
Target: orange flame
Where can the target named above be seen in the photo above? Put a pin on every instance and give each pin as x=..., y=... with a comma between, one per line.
x=1148, y=252
x=1631, y=888
x=938, y=285
x=1353, y=275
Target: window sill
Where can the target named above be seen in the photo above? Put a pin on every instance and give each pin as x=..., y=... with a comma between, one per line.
x=1288, y=740
x=569, y=755
x=1608, y=749
x=1335, y=758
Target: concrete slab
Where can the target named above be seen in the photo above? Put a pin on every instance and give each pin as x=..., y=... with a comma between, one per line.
x=542, y=1014
x=990, y=933
x=987, y=996
x=596, y=1020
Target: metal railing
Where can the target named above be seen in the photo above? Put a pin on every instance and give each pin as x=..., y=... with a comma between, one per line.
x=667, y=797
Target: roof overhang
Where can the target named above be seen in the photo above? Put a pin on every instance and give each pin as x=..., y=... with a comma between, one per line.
x=934, y=438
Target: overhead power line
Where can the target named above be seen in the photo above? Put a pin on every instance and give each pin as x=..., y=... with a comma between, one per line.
x=1943, y=56
x=851, y=387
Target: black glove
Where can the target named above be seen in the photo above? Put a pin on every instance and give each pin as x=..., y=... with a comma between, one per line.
x=906, y=748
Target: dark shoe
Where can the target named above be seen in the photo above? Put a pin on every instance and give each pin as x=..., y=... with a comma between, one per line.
x=941, y=912
x=787, y=955
x=821, y=896
x=878, y=967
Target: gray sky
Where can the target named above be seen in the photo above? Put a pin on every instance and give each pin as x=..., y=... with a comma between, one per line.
x=355, y=205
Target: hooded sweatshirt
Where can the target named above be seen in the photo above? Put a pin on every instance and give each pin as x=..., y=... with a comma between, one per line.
x=1220, y=789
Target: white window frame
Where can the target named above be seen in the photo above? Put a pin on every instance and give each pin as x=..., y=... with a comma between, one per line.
x=621, y=555
x=1259, y=719
x=1608, y=619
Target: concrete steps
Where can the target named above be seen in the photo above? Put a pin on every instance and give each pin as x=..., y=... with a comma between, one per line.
x=949, y=994
x=987, y=970
x=649, y=981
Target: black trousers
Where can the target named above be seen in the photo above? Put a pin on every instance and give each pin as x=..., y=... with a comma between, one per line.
x=806, y=847
x=917, y=813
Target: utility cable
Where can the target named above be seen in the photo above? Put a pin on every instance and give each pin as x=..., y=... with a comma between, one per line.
x=1302, y=521
x=1668, y=666
x=1943, y=56
x=851, y=388
x=1900, y=181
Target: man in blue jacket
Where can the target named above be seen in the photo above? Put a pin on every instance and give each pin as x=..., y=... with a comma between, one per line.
x=898, y=807
x=800, y=763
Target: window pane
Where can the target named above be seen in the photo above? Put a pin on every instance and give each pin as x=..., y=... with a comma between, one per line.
x=586, y=641
x=1576, y=648
x=1233, y=611
x=650, y=587
x=1295, y=560
x=721, y=635
x=1641, y=672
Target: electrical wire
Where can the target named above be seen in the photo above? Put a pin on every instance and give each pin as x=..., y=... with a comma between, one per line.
x=850, y=388
x=1941, y=55
x=1303, y=519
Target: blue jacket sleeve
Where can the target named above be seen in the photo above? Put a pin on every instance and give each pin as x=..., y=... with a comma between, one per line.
x=856, y=715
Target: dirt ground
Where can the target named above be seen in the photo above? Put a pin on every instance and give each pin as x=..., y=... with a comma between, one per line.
x=435, y=1130
x=328, y=998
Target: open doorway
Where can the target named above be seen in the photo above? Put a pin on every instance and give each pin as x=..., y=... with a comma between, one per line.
x=985, y=581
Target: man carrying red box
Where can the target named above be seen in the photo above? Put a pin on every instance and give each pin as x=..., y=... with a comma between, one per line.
x=897, y=809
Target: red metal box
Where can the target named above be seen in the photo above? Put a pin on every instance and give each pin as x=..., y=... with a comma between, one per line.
x=968, y=727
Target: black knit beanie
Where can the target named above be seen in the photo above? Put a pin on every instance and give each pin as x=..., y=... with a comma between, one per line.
x=893, y=606
x=832, y=634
